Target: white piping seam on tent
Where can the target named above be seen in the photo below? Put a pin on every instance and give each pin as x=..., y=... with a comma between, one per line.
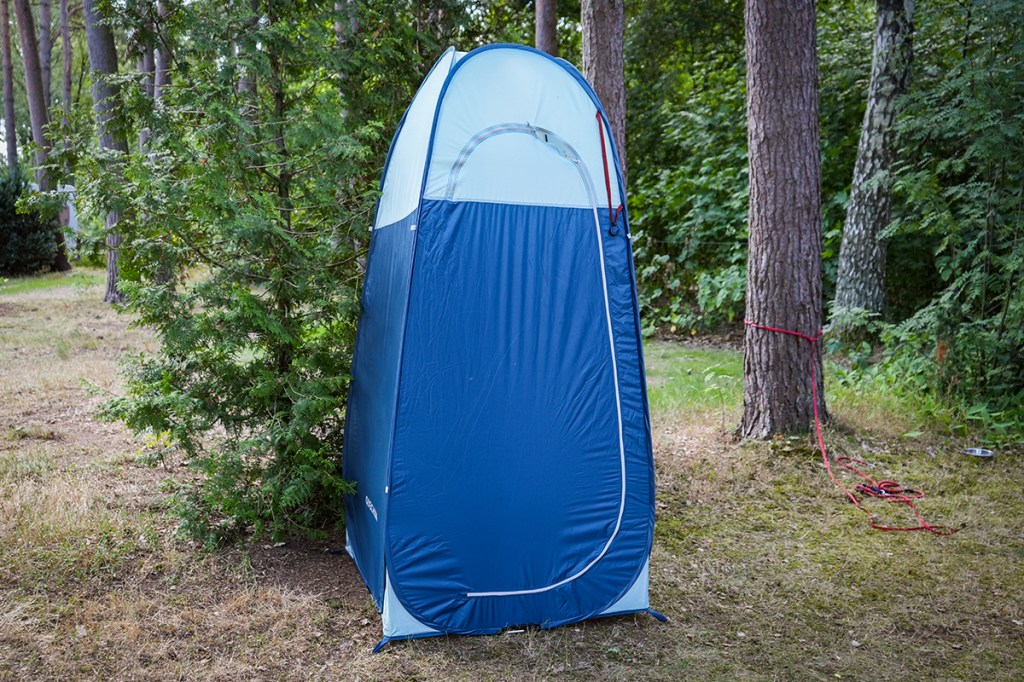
x=561, y=145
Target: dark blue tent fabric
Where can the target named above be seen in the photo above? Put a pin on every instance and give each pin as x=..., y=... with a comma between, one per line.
x=371, y=402
x=506, y=470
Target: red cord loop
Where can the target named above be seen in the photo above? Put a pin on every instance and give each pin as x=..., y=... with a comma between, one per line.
x=613, y=214
x=890, y=491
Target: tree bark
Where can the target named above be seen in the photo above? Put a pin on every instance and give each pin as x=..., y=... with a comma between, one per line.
x=10, y=123
x=162, y=57
x=66, y=56
x=103, y=62
x=860, y=285
x=547, y=26
x=65, y=102
x=345, y=11
x=161, y=53
x=45, y=48
x=604, y=23
x=784, y=262
x=38, y=114
x=146, y=67
x=246, y=87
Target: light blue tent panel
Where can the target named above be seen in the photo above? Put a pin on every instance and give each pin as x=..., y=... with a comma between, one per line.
x=498, y=426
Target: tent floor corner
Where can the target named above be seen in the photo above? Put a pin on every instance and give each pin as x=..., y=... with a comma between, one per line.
x=400, y=625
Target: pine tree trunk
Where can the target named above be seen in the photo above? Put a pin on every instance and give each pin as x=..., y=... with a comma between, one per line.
x=10, y=124
x=860, y=285
x=547, y=26
x=784, y=262
x=38, y=114
x=604, y=23
x=103, y=62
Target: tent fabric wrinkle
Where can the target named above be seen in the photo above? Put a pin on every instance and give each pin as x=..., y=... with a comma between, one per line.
x=498, y=428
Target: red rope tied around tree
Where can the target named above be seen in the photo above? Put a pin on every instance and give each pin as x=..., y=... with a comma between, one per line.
x=613, y=214
x=890, y=491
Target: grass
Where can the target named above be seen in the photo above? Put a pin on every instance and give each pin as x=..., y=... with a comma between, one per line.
x=79, y=277
x=765, y=570
x=690, y=380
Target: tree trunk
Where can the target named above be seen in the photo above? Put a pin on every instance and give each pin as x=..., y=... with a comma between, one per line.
x=246, y=77
x=344, y=9
x=103, y=62
x=604, y=23
x=860, y=285
x=45, y=48
x=161, y=80
x=146, y=67
x=10, y=124
x=38, y=114
x=547, y=26
x=784, y=262
x=66, y=56
x=162, y=57
x=65, y=104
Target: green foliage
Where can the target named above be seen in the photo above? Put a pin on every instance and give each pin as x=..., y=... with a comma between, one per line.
x=845, y=39
x=691, y=218
x=245, y=220
x=688, y=152
x=961, y=192
x=254, y=182
x=27, y=243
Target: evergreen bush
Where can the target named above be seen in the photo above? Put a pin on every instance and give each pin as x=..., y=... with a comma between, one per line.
x=27, y=244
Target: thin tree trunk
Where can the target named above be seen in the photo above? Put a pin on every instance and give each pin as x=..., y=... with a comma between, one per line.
x=82, y=71
x=66, y=57
x=246, y=79
x=103, y=62
x=784, y=262
x=860, y=285
x=346, y=9
x=162, y=63
x=45, y=47
x=604, y=25
x=65, y=103
x=161, y=80
x=10, y=123
x=146, y=67
x=547, y=26
x=38, y=114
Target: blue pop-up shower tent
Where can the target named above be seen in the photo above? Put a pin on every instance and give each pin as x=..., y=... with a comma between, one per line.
x=498, y=427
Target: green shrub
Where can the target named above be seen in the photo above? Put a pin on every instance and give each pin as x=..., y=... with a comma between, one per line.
x=27, y=244
x=960, y=192
x=261, y=197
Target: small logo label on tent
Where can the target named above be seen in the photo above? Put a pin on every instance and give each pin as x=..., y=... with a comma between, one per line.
x=369, y=505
